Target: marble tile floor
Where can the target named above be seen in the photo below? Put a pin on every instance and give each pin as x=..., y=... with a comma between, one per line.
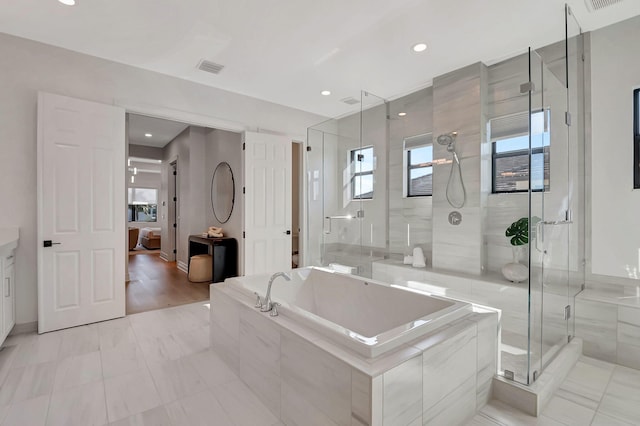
x=153, y=368
x=595, y=393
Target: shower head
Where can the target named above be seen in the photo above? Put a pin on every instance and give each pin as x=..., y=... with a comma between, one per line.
x=447, y=138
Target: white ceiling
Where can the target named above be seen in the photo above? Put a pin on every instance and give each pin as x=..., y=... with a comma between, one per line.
x=162, y=131
x=287, y=51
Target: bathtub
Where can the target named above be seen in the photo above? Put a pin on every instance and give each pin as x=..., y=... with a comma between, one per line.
x=366, y=316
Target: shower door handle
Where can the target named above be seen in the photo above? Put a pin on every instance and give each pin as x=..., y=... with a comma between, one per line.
x=539, y=226
x=329, y=219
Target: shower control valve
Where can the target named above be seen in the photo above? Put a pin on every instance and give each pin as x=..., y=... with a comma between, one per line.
x=455, y=218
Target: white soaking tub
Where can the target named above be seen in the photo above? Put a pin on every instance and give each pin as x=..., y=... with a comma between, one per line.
x=367, y=316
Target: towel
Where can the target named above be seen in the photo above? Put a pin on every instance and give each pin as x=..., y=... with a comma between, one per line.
x=215, y=232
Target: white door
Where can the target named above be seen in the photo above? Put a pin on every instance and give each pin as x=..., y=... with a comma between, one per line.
x=267, y=212
x=81, y=212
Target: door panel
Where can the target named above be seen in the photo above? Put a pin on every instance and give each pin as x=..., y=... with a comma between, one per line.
x=102, y=267
x=267, y=217
x=81, y=210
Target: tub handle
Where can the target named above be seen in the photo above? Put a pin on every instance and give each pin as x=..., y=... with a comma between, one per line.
x=258, y=300
x=274, y=309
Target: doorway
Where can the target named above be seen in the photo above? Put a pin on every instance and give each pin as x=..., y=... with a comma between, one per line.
x=158, y=152
x=296, y=207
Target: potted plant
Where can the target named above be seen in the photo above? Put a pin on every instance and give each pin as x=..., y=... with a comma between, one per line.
x=518, y=234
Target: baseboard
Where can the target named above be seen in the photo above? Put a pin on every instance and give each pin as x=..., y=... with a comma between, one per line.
x=532, y=399
x=164, y=256
x=183, y=266
x=27, y=327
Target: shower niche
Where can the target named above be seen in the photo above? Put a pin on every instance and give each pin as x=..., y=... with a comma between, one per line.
x=447, y=169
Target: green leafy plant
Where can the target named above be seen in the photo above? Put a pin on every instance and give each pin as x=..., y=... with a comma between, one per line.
x=518, y=231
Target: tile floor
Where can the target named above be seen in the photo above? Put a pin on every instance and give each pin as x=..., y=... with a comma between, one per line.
x=154, y=368
x=595, y=393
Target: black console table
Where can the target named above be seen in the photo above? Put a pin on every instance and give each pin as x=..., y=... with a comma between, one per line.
x=224, y=255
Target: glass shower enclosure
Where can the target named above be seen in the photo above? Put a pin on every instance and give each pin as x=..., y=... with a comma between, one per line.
x=346, y=180
x=361, y=210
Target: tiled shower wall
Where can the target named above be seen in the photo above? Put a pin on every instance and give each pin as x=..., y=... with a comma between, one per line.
x=459, y=105
x=411, y=219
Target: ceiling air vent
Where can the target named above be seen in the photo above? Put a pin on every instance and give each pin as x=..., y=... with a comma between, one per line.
x=594, y=5
x=350, y=101
x=208, y=66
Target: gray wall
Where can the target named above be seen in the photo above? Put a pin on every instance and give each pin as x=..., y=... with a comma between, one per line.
x=142, y=151
x=225, y=146
x=188, y=148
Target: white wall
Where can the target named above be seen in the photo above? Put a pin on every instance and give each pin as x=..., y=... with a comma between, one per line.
x=28, y=67
x=615, y=72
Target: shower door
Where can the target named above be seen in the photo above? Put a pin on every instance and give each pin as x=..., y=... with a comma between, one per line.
x=549, y=211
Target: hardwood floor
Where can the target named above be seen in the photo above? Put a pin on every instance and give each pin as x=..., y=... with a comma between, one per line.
x=156, y=284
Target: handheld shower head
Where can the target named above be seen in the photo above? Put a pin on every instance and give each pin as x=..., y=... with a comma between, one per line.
x=447, y=139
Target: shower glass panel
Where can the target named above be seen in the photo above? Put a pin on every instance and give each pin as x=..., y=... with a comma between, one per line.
x=538, y=119
x=346, y=183
x=575, y=101
x=374, y=221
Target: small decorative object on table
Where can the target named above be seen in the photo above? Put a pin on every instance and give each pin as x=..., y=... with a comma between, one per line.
x=518, y=231
x=214, y=232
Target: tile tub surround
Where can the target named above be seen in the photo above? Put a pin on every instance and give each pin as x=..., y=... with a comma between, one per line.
x=347, y=308
x=608, y=320
x=492, y=290
x=305, y=379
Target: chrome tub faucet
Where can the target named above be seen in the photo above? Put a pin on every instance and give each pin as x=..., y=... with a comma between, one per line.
x=267, y=305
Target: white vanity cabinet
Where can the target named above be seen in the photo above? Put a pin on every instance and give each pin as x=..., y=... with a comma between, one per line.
x=8, y=244
x=8, y=299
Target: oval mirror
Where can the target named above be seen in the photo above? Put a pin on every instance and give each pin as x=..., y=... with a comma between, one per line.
x=223, y=192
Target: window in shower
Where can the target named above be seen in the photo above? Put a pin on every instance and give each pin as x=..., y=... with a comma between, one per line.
x=362, y=162
x=419, y=171
x=636, y=138
x=510, y=152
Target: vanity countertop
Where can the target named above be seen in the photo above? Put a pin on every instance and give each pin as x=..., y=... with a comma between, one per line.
x=9, y=238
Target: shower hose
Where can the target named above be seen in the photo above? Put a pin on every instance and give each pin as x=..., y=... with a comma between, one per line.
x=456, y=165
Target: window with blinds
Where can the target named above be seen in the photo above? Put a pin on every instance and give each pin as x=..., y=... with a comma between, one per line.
x=143, y=205
x=510, y=152
x=418, y=171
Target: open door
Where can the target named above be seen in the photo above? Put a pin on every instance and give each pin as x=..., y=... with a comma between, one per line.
x=81, y=212
x=267, y=212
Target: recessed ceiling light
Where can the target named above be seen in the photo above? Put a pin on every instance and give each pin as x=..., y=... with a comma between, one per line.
x=419, y=47
x=68, y=2
x=147, y=135
x=325, y=93
x=402, y=114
